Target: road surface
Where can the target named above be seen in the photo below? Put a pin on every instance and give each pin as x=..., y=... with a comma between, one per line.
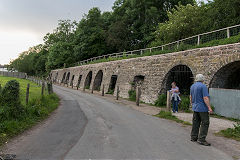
x=88, y=127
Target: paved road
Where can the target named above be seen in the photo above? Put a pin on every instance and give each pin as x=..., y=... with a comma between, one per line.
x=112, y=131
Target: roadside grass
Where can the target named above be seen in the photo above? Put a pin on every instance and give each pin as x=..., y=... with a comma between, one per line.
x=233, y=133
x=168, y=115
x=38, y=108
x=34, y=91
x=182, y=47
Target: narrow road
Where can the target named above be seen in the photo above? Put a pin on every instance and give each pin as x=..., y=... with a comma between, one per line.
x=88, y=127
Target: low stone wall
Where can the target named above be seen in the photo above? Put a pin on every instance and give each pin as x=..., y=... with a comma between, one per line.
x=226, y=102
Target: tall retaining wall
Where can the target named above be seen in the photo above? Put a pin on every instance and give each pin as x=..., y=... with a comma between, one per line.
x=159, y=70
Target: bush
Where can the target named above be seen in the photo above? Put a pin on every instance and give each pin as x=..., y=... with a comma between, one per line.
x=132, y=95
x=185, y=103
x=11, y=107
x=10, y=93
x=161, y=101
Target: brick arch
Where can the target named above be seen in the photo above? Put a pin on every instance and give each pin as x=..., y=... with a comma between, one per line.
x=185, y=83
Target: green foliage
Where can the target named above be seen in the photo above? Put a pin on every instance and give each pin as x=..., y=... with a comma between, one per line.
x=10, y=106
x=132, y=95
x=15, y=117
x=185, y=103
x=161, y=101
x=168, y=115
x=110, y=91
x=188, y=20
x=87, y=87
x=233, y=133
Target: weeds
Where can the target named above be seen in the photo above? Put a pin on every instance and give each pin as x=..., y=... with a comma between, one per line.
x=168, y=115
x=233, y=133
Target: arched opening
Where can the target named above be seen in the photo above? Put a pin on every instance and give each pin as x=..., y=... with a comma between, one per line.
x=79, y=81
x=227, y=77
x=88, y=80
x=98, y=81
x=63, y=78
x=112, y=84
x=67, y=79
x=71, y=84
x=182, y=75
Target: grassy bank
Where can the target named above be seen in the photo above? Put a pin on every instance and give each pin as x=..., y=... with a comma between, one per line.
x=38, y=108
x=182, y=47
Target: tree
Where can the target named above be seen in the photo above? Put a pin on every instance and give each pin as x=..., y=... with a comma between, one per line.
x=184, y=21
x=138, y=19
x=224, y=13
x=90, y=35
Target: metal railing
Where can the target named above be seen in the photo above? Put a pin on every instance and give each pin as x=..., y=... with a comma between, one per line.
x=192, y=41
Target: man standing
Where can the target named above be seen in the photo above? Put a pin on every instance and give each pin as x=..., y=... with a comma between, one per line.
x=199, y=98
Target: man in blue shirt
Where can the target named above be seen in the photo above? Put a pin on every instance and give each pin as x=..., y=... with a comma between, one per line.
x=199, y=99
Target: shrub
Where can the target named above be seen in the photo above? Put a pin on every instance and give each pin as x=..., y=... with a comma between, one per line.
x=185, y=103
x=11, y=107
x=10, y=93
x=132, y=95
x=161, y=101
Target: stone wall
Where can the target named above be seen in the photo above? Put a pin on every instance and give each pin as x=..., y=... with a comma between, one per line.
x=155, y=69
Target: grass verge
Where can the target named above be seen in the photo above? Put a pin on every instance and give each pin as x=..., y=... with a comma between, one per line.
x=169, y=116
x=233, y=133
x=38, y=108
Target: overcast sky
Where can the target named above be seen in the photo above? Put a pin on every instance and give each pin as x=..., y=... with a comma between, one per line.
x=23, y=23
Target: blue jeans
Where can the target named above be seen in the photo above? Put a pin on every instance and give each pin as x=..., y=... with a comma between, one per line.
x=175, y=106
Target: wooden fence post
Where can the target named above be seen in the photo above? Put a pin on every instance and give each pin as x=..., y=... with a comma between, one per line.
x=48, y=88
x=103, y=90
x=51, y=87
x=92, y=90
x=168, y=101
x=43, y=86
x=138, y=95
x=117, y=92
x=27, y=93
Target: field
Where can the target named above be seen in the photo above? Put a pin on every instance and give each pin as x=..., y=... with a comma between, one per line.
x=34, y=92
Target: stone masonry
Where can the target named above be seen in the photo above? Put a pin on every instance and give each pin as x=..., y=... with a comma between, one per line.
x=207, y=61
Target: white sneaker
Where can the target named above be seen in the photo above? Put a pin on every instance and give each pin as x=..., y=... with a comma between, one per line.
x=176, y=112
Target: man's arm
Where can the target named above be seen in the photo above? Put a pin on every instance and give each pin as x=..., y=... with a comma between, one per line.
x=207, y=102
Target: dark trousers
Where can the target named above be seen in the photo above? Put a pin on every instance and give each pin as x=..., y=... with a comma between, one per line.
x=175, y=106
x=200, y=121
